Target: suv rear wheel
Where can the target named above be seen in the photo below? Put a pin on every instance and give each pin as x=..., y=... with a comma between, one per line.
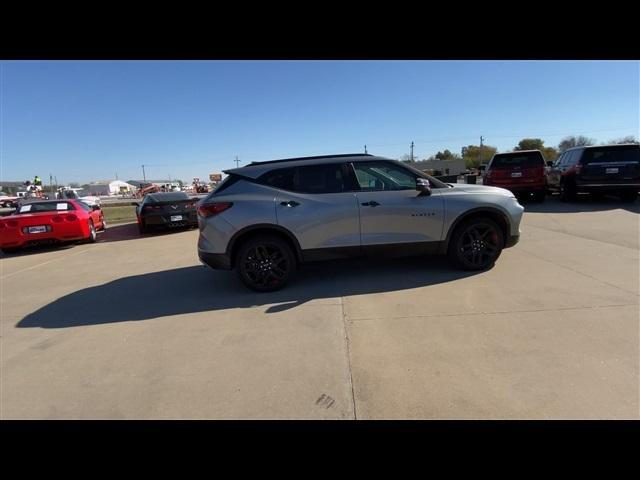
x=476, y=244
x=265, y=263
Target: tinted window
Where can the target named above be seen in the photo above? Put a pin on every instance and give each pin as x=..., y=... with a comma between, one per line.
x=384, y=176
x=282, y=178
x=611, y=155
x=531, y=159
x=45, y=207
x=167, y=197
x=329, y=178
x=85, y=207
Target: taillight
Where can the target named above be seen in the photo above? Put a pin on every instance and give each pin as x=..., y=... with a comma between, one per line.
x=577, y=168
x=12, y=224
x=152, y=207
x=487, y=174
x=211, y=209
x=57, y=219
x=71, y=218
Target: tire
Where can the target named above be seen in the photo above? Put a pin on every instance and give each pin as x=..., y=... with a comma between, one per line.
x=279, y=263
x=476, y=244
x=92, y=233
x=104, y=225
x=9, y=250
x=567, y=192
x=142, y=229
x=629, y=195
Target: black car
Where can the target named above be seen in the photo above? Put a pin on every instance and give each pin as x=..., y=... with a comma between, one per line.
x=166, y=210
x=597, y=170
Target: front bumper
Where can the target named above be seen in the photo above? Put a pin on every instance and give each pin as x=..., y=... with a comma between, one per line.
x=512, y=240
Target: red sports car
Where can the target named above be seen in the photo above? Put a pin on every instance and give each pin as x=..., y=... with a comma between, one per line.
x=50, y=222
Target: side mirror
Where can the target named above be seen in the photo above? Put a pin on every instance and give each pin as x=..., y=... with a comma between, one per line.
x=422, y=185
x=95, y=207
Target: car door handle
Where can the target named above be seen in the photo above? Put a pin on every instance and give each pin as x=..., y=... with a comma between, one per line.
x=372, y=203
x=290, y=203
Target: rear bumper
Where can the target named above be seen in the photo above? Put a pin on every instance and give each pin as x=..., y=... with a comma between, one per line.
x=217, y=261
x=519, y=188
x=164, y=220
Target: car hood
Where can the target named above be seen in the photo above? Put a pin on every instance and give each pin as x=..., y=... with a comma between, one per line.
x=470, y=188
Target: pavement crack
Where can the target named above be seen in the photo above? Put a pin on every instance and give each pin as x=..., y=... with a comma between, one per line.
x=347, y=344
x=465, y=314
x=577, y=271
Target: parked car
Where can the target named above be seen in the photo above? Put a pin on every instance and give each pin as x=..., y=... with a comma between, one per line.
x=521, y=172
x=267, y=217
x=597, y=170
x=166, y=210
x=69, y=194
x=49, y=222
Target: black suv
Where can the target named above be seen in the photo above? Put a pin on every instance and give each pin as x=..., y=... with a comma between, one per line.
x=597, y=170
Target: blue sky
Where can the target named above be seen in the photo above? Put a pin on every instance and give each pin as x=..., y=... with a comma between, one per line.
x=88, y=120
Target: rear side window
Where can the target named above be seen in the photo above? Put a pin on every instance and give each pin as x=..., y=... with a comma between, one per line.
x=531, y=159
x=329, y=178
x=611, y=155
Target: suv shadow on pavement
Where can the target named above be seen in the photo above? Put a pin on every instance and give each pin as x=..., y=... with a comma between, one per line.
x=199, y=289
x=583, y=203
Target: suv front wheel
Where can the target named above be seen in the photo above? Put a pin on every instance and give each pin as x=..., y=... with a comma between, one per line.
x=476, y=244
x=265, y=263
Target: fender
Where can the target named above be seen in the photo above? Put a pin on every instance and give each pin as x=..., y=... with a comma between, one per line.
x=474, y=211
x=265, y=226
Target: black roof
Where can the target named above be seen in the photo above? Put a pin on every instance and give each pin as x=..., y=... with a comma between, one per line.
x=342, y=155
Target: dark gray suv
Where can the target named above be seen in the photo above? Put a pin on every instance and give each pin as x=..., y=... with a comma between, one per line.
x=267, y=217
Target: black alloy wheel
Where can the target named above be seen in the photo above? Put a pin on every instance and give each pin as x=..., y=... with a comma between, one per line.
x=265, y=263
x=476, y=244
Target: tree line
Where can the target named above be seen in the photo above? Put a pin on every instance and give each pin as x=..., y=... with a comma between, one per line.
x=474, y=155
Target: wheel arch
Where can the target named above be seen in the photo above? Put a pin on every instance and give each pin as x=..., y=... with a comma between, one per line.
x=494, y=214
x=251, y=231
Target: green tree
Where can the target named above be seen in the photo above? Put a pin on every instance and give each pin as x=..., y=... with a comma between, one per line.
x=473, y=155
x=573, y=141
x=530, y=144
x=550, y=154
x=446, y=155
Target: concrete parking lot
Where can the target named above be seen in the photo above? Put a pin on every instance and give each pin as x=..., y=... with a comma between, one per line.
x=135, y=328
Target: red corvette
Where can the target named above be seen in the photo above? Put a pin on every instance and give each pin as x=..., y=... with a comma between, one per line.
x=50, y=222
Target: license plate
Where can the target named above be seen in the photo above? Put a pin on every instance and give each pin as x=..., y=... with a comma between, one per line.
x=38, y=229
x=611, y=170
x=516, y=174
x=176, y=218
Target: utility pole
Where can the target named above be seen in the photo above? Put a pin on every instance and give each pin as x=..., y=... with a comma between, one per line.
x=365, y=149
x=144, y=175
x=481, y=140
x=237, y=162
x=51, y=183
x=116, y=175
x=411, y=151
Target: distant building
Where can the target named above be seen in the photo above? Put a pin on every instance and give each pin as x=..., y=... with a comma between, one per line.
x=115, y=187
x=444, y=167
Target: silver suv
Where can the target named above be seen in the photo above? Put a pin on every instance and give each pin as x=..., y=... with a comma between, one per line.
x=267, y=217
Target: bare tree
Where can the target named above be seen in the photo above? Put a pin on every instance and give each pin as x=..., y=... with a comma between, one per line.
x=573, y=141
x=627, y=139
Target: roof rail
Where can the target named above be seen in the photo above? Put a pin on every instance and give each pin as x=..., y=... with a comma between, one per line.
x=342, y=155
